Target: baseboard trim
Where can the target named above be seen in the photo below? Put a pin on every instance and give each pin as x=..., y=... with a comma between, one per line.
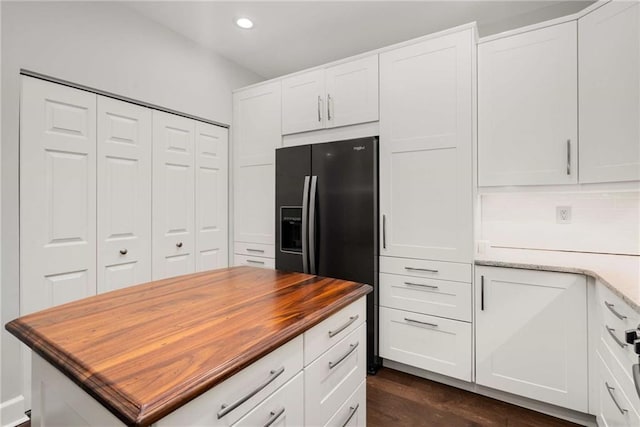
x=12, y=412
x=534, y=405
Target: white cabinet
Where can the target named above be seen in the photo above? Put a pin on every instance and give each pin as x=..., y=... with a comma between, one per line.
x=609, y=102
x=173, y=195
x=124, y=194
x=531, y=335
x=527, y=115
x=425, y=149
x=57, y=195
x=340, y=95
x=256, y=117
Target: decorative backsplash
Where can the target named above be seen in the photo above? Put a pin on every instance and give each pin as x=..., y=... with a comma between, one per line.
x=600, y=221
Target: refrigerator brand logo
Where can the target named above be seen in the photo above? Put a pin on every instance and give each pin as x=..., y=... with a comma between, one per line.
x=358, y=148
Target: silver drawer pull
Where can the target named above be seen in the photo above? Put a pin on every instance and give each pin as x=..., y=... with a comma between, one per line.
x=352, y=347
x=352, y=412
x=253, y=261
x=433, y=325
x=610, y=390
x=343, y=327
x=421, y=285
x=614, y=311
x=274, y=415
x=255, y=250
x=615, y=338
x=225, y=409
x=428, y=270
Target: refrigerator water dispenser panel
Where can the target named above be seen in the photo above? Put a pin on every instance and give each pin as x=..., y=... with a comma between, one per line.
x=291, y=229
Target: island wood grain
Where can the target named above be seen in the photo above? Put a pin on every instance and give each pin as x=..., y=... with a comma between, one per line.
x=144, y=351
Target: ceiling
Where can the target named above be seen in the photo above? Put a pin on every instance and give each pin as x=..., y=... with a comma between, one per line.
x=289, y=36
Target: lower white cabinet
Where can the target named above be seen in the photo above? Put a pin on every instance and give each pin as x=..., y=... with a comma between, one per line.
x=614, y=406
x=353, y=413
x=531, y=335
x=334, y=376
x=426, y=342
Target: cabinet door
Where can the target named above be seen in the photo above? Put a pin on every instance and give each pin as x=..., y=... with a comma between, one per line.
x=57, y=195
x=173, y=195
x=352, y=92
x=609, y=67
x=531, y=338
x=425, y=149
x=527, y=115
x=124, y=194
x=257, y=133
x=211, y=197
x=303, y=103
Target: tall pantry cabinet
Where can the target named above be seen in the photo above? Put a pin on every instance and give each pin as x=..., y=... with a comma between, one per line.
x=426, y=185
x=97, y=175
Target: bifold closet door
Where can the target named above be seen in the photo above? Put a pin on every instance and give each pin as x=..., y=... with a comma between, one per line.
x=124, y=194
x=212, y=197
x=57, y=195
x=173, y=195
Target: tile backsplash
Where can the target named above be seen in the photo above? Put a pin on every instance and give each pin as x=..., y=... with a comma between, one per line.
x=601, y=221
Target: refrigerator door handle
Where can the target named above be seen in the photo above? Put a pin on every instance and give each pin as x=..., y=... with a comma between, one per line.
x=312, y=225
x=305, y=225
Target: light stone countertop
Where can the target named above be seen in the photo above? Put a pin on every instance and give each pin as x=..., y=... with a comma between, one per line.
x=620, y=273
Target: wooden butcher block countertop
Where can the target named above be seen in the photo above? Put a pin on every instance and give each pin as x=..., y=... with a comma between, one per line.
x=144, y=351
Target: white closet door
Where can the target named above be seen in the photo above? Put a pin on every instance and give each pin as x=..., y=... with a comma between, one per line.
x=124, y=194
x=211, y=197
x=57, y=195
x=173, y=195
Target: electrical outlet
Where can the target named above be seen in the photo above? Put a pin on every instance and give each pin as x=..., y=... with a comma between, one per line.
x=563, y=214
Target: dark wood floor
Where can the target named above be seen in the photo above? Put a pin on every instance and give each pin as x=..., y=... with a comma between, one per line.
x=398, y=399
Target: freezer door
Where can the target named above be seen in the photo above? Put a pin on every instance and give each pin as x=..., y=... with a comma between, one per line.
x=293, y=170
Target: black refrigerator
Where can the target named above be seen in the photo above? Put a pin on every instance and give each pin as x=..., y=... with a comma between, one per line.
x=327, y=217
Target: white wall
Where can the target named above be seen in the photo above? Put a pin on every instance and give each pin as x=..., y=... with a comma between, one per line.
x=107, y=46
x=604, y=220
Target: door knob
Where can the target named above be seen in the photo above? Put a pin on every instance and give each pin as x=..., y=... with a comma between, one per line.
x=179, y=244
x=123, y=251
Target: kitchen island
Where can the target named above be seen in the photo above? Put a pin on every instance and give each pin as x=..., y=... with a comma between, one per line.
x=204, y=349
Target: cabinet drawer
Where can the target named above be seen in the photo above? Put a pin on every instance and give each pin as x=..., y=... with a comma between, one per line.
x=617, y=317
x=318, y=339
x=282, y=408
x=427, y=296
x=334, y=376
x=254, y=249
x=426, y=342
x=353, y=413
x=423, y=268
x=254, y=261
x=621, y=372
x=614, y=408
x=266, y=374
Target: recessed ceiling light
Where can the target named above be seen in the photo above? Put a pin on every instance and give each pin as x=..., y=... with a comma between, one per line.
x=245, y=23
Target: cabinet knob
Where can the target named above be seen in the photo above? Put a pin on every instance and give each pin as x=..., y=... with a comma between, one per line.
x=631, y=336
x=123, y=251
x=179, y=244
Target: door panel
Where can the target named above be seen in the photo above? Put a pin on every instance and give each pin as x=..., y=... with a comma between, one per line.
x=609, y=57
x=425, y=149
x=303, y=103
x=211, y=197
x=124, y=194
x=57, y=195
x=255, y=192
x=173, y=195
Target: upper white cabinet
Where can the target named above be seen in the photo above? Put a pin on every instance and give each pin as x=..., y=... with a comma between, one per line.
x=124, y=194
x=257, y=133
x=57, y=195
x=609, y=62
x=341, y=95
x=426, y=139
x=531, y=334
x=527, y=115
